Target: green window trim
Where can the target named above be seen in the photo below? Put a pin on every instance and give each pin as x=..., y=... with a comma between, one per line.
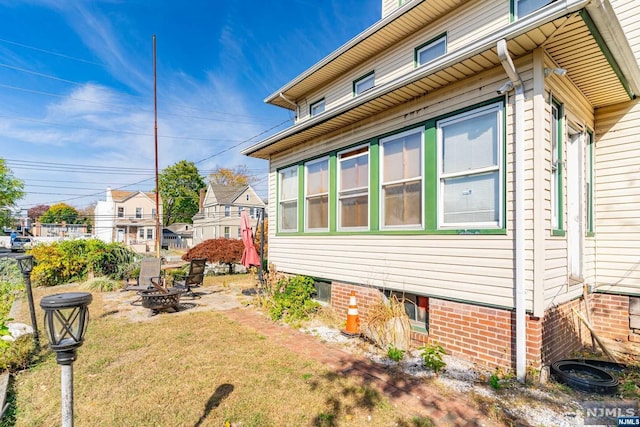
x=557, y=206
x=429, y=185
x=433, y=41
x=590, y=192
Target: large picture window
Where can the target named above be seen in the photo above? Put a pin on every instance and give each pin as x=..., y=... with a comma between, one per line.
x=288, y=184
x=317, y=195
x=401, y=183
x=353, y=188
x=470, y=169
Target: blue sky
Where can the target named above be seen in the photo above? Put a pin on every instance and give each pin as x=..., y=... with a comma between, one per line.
x=76, y=85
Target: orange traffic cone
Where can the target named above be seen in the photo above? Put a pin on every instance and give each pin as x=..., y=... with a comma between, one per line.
x=353, y=322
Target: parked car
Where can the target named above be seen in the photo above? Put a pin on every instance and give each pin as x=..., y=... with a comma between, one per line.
x=21, y=244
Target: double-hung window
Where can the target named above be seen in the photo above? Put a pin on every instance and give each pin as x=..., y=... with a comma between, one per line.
x=317, y=194
x=401, y=182
x=288, y=200
x=364, y=83
x=227, y=210
x=525, y=7
x=470, y=169
x=120, y=212
x=431, y=50
x=138, y=213
x=226, y=232
x=353, y=188
x=556, y=166
x=316, y=108
x=149, y=233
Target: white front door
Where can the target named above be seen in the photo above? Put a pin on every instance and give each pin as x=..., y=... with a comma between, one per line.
x=575, y=202
x=120, y=237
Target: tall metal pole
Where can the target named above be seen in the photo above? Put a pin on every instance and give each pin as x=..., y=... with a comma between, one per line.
x=155, y=128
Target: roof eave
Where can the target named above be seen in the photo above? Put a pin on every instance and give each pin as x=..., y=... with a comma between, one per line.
x=341, y=50
x=604, y=17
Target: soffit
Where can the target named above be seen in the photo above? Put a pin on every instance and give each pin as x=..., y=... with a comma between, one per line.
x=568, y=40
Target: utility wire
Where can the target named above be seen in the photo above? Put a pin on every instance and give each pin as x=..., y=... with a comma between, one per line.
x=199, y=161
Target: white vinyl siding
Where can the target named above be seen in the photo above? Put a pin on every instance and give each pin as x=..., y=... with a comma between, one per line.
x=353, y=189
x=461, y=27
x=477, y=267
x=470, y=169
x=617, y=197
x=317, y=195
x=288, y=199
x=401, y=182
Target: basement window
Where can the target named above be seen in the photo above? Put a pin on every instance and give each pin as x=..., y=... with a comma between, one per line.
x=416, y=307
x=323, y=291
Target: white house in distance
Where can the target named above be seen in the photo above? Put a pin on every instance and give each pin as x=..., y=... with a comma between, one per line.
x=128, y=217
x=479, y=158
x=220, y=209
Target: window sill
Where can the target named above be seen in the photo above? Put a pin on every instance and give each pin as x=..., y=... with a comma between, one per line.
x=558, y=233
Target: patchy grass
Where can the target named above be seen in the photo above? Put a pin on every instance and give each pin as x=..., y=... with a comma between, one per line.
x=191, y=369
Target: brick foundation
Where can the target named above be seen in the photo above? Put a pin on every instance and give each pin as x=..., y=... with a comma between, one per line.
x=486, y=335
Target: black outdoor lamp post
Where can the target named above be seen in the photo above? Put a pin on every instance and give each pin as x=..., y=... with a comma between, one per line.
x=25, y=262
x=66, y=317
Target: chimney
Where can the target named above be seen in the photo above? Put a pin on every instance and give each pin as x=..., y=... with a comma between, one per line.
x=201, y=204
x=109, y=196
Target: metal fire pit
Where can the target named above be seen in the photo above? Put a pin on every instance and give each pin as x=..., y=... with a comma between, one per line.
x=154, y=299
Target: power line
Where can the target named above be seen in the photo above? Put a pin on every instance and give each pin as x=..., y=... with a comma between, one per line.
x=51, y=52
x=199, y=161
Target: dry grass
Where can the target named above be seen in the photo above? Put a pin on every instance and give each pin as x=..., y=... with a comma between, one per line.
x=191, y=369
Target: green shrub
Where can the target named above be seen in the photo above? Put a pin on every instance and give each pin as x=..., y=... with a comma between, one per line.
x=17, y=355
x=11, y=281
x=75, y=260
x=290, y=299
x=432, y=354
x=395, y=354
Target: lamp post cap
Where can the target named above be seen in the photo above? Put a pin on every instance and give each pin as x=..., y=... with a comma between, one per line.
x=69, y=299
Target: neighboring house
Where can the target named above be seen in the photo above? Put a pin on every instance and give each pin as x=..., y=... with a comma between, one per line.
x=220, y=209
x=128, y=217
x=59, y=230
x=177, y=235
x=480, y=158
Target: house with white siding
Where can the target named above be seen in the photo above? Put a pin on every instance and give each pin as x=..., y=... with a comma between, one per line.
x=128, y=217
x=220, y=210
x=478, y=159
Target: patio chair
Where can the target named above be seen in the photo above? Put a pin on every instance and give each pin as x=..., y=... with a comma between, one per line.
x=150, y=276
x=186, y=282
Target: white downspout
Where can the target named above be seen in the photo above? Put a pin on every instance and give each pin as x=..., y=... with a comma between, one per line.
x=521, y=326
